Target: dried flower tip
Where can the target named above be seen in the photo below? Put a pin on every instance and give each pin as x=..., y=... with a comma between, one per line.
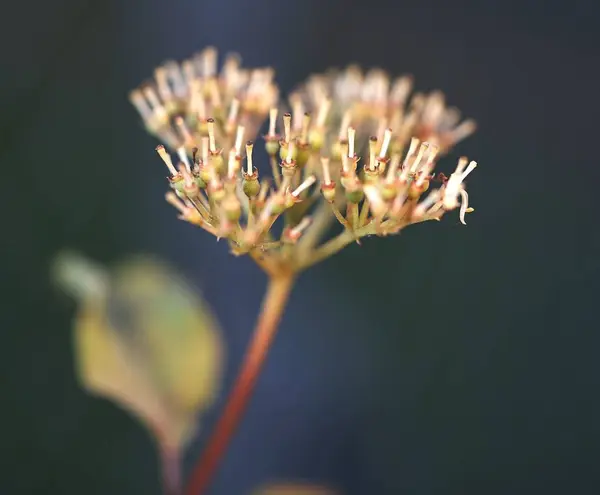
x=272, y=122
x=326, y=173
x=454, y=185
x=462, y=164
x=305, y=185
x=387, y=137
x=232, y=164
x=417, y=162
x=297, y=111
x=351, y=136
x=184, y=158
x=345, y=163
x=323, y=111
x=209, y=62
x=464, y=205
x=414, y=142
x=346, y=120
x=305, y=126
x=393, y=168
x=292, y=235
x=462, y=131
x=290, y=153
x=249, y=166
x=239, y=139
x=372, y=152
x=176, y=78
x=470, y=168
x=400, y=90
x=152, y=97
x=234, y=110
x=211, y=135
x=160, y=149
x=428, y=167
x=205, y=147
x=287, y=127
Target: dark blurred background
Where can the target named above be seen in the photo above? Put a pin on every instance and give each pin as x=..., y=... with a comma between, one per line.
x=448, y=360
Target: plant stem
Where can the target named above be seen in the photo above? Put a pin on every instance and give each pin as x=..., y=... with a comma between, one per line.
x=333, y=246
x=328, y=249
x=171, y=473
x=274, y=302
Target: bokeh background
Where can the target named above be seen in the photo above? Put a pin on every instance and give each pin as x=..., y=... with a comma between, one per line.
x=448, y=360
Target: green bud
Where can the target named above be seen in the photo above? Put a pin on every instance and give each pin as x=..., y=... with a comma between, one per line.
x=250, y=185
x=283, y=150
x=355, y=195
x=371, y=176
x=302, y=154
x=316, y=139
x=272, y=146
x=388, y=191
x=204, y=174
x=199, y=181
x=328, y=191
x=217, y=161
x=177, y=183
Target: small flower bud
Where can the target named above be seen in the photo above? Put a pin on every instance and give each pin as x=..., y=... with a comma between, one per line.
x=328, y=191
x=250, y=184
x=199, y=181
x=288, y=150
x=288, y=165
x=316, y=139
x=177, y=183
x=354, y=192
x=302, y=154
x=272, y=145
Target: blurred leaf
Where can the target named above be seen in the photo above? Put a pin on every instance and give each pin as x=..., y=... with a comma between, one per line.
x=146, y=340
x=294, y=489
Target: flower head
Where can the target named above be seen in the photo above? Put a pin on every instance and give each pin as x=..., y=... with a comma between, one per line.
x=351, y=146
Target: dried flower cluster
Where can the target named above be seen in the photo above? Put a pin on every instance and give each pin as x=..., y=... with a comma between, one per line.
x=211, y=118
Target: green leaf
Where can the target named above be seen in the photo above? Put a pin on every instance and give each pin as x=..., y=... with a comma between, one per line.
x=145, y=339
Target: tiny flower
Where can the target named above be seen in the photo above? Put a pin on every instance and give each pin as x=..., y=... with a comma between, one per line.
x=204, y=116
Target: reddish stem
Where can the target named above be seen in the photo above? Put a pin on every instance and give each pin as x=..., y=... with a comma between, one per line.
x=170, y=471
x=274, y=303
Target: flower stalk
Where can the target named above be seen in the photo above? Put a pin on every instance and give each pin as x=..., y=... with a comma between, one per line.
x=274, y=303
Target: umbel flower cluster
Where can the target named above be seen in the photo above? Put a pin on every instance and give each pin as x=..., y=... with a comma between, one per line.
x=348, y=146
